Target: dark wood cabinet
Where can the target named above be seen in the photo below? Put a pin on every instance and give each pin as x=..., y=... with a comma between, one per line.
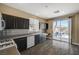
x=9, y=21
x=19, y=23
x=21, y=43
x=42, y=37
x=26, y=23
x=13, y=22
x=37, y=39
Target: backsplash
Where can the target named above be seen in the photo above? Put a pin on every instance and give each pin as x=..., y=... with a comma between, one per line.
x=10, y=32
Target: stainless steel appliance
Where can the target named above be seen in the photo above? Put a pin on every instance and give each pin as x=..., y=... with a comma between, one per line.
x=2, y=23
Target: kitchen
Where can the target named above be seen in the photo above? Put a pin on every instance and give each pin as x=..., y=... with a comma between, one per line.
x=19, y=33
x=39, y=29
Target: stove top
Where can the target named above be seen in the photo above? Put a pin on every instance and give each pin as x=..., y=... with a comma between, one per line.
x=6, y=43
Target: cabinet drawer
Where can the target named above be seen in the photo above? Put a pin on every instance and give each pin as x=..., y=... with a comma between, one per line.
x=30, y=45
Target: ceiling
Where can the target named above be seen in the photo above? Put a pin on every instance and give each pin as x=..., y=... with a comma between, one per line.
x=47, y=10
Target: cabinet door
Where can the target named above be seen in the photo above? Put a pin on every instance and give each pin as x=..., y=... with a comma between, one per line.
x=9, y=21
x=26, y=23
x=30, y=41
x=22, y=23
x=37, y=39
x=21, y=43
x=43, y=37
x=19, y=23
x=13, y=22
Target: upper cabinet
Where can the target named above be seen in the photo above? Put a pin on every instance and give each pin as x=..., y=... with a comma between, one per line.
x=9, y=21
x=13, y=22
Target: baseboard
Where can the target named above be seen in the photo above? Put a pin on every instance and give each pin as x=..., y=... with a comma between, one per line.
x=75, y=43
x=61, y=41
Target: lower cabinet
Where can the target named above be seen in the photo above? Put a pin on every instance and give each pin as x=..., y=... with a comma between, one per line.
x=24, y=43
x=27, y=42
x=37, y=39
x=21, y=43
x=30, y=41
x=43, y=37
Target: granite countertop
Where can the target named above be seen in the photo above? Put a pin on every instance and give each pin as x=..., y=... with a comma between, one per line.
x=19, y=36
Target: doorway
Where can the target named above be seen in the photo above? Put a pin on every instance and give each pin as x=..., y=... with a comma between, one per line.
x=62, y=30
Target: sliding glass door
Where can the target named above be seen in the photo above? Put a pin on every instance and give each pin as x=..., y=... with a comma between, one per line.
x=56, y=30
x=61, y=29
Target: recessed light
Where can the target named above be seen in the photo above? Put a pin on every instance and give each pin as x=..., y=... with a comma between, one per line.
x=57, y=11
x=46, y=6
